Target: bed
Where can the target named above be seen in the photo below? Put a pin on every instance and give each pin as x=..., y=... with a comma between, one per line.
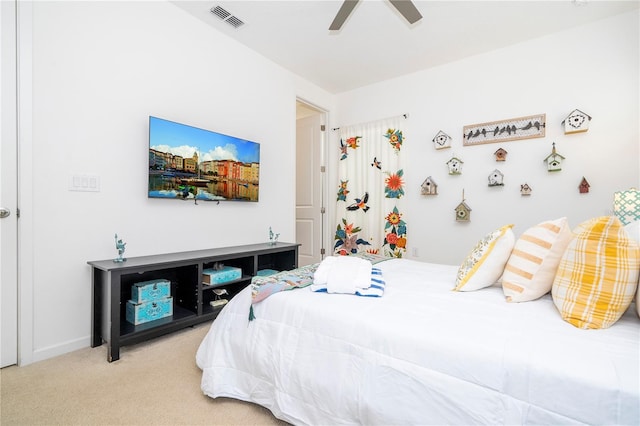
x=420, y=353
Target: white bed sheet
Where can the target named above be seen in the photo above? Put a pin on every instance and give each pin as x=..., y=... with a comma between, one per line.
x=421, y=354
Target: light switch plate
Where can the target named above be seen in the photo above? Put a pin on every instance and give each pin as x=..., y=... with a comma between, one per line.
x=85, y=183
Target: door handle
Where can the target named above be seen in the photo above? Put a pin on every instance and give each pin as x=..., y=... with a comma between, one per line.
x=4, y=212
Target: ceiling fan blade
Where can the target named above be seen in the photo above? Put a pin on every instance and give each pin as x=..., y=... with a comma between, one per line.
x=343, y=14
x=407, y=9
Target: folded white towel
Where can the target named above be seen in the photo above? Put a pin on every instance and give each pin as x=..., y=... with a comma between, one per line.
x=321, y=275
x=348, y=273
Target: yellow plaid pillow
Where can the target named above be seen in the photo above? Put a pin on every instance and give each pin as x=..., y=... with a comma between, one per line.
x=484, y=265
x=598, y=274
x=533, y=263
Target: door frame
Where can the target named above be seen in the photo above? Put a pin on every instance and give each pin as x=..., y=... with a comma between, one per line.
x=25, y=183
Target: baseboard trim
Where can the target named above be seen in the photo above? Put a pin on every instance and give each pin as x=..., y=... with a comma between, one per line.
x=61, y=349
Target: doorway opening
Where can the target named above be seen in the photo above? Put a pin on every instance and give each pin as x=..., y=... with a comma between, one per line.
x=311, y=175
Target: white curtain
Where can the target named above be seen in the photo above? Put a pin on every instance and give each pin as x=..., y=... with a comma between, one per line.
x=371, y=189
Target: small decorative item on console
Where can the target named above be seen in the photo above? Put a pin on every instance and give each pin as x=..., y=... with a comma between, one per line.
x=219, y=301
x=120, y=246
x=220, y=274
x=273, y=238
x=146, y=291
x=150, y=300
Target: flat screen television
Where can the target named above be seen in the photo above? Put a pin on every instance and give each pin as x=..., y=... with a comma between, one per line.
x=186, y=162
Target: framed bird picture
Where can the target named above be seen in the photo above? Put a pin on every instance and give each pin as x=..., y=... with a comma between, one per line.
x=528, y=127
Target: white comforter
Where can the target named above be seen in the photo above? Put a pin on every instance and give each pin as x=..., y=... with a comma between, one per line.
x=421, y=354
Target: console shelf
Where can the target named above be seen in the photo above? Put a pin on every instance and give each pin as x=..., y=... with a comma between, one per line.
x=111, y=288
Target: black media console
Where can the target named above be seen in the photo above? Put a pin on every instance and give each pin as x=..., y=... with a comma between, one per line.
x=112, y=281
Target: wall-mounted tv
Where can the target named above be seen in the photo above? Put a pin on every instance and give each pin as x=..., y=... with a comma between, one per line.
x=186, y=162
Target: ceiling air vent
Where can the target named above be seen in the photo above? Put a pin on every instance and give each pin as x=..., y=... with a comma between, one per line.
x=227, y=17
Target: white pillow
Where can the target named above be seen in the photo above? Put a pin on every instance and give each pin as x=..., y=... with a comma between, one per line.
x=484, y=265
x=633, y=230
x=532, y=266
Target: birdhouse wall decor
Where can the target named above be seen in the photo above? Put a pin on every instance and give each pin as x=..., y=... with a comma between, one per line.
x=455, y=166
x=576, y=122
x=463, y=211
x=429, y=187
x=525, y=189
x=554, y=160
x=584, y=186
x=441, y=140
x=496, y=178
x=500, y=154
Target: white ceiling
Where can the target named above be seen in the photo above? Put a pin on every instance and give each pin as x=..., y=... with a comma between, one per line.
x=377, y=44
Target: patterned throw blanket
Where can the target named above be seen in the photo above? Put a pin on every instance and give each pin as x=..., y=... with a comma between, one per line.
x=265, y=286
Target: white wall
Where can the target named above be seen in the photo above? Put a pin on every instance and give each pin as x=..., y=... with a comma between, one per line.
x=99, y=70
x=593, y=68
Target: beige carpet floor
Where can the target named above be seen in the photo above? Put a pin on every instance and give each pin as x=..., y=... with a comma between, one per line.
x=154, y=383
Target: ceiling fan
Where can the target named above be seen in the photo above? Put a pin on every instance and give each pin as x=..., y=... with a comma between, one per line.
x=405, y=7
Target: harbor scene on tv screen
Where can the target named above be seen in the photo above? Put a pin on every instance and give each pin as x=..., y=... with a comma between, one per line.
x=187, y=162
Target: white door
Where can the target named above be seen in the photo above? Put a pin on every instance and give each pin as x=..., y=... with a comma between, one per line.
x=8, y=188
x=309, y=188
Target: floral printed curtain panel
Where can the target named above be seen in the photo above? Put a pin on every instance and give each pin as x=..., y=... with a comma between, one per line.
x=369, y=195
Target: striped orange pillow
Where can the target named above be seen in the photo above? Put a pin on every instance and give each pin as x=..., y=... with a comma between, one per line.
x=598, y=274
x=533, y=263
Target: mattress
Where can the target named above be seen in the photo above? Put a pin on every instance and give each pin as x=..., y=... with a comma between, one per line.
x=421, y=354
